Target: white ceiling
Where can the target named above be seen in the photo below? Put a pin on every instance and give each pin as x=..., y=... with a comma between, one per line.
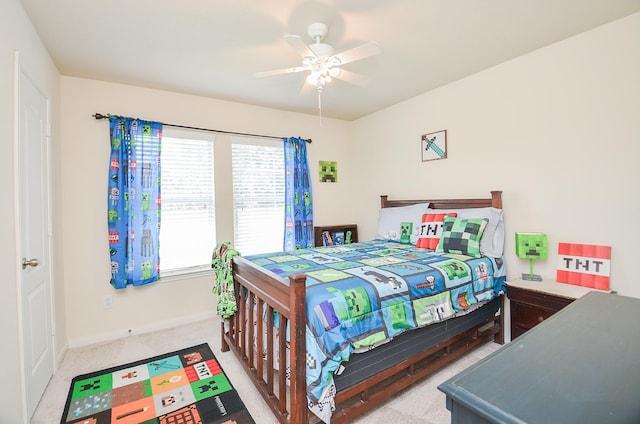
x=213, y=47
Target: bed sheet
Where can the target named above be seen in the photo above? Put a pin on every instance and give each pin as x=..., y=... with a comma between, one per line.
x=363, y=294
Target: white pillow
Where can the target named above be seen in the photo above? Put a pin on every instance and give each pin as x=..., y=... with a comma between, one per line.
x=492, y=242
x=389, y=220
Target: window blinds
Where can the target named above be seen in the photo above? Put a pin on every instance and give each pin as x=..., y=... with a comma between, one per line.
x=258, y=197
x=188, y=229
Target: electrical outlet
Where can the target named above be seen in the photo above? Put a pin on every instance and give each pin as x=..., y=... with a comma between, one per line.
x=107, y=302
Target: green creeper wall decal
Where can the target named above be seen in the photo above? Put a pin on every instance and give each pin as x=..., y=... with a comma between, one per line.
x=328, y=171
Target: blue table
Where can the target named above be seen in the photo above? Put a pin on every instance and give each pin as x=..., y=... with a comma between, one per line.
x=582, y=365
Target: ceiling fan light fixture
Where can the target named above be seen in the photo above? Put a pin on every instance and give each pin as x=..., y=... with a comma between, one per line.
x=321, y=49
x=319, y=79
x=319, y=60
x=333, y=61
x=334, y=72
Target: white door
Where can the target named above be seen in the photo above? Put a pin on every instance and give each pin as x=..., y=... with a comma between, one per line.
x=33, y=239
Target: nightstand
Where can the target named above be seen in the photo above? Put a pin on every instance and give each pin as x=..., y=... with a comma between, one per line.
x=337, y=234
x=532, y=302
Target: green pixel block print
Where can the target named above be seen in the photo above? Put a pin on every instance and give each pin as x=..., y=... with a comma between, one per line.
x=211, y=386
x=284, y=258
x=371, y=340
x=387, y=260
x=406, y=229
x=398, y=315
x=357, y=302
x=461, y=236
x=432, y=308
x=92, y=386
x=532, y=245
x=328, y=171
x=328, y=275
x=387, y=252
x=298, y=267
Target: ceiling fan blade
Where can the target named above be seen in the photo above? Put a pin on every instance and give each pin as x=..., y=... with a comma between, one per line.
x=301, y=47
x=352, y=77
x=306, y=88
x=365, y=50
x=279, y=71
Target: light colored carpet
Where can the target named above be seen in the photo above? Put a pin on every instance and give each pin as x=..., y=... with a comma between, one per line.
x=421, y=404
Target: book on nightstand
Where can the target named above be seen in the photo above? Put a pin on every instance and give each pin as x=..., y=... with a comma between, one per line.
x=327, y=240
x=338, y=237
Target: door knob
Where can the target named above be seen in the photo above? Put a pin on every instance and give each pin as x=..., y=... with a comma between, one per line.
x=30, y=262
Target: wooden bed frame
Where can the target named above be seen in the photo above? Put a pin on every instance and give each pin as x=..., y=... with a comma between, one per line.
x=256, y=286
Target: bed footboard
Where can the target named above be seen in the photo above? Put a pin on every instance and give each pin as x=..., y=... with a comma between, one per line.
x=265, y=358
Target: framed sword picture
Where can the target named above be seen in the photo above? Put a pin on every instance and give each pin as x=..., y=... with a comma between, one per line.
x=434, y=146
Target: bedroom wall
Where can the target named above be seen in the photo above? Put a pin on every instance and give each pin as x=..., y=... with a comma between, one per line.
x=545, y=112
x=17, y=34
x=85, y=156
x=557, y=130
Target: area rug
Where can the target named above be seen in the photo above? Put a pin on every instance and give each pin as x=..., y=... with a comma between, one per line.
x=187, y=386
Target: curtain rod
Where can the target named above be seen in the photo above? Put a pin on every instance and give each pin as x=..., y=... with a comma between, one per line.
x=102, y=116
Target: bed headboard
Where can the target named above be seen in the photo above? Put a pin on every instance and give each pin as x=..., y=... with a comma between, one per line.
x=495, y=201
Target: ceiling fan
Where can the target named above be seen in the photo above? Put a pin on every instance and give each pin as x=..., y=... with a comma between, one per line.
x=320, y=61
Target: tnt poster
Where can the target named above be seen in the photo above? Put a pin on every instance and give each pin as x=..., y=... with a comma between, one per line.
x=584, y=265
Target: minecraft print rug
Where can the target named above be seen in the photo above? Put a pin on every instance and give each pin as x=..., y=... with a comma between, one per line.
x=187, y=386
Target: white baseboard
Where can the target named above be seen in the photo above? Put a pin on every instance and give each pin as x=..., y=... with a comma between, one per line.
x=115, y=335
x=60, y=354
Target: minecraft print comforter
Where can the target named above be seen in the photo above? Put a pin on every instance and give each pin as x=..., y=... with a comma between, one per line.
x=362, y=294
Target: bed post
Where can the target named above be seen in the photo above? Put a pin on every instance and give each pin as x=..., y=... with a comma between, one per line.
x=496, y=199
x=499, y=337
x=298, y=348
x=383, y=201
x=224, y=346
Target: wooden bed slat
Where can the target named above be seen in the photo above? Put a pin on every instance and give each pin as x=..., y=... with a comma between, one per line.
x=259, y=339
x=282, y=364
x=270, y=357
x=252, y=313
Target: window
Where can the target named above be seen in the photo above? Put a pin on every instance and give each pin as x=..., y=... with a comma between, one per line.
x=188, y=226
x=258, y=195
x=250, y=208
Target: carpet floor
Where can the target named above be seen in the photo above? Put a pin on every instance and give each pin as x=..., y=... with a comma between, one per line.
x=421, y=404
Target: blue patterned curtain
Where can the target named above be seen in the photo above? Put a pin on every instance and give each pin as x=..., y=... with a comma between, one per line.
x=134, y=201
x=298, y=224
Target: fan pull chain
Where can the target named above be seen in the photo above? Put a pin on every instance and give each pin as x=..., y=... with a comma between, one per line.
x=320, y=104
